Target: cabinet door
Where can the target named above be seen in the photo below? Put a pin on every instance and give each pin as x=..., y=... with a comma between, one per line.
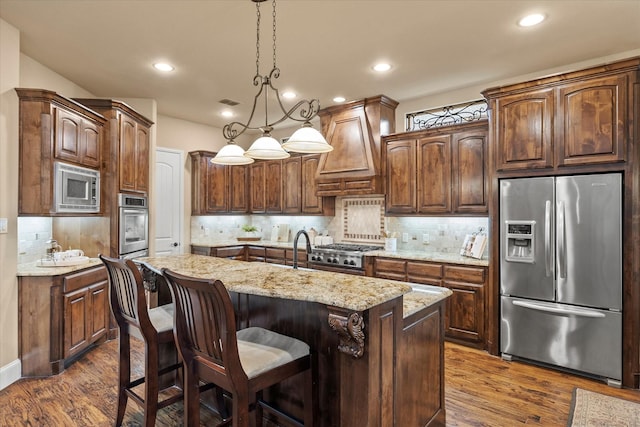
x=257, y=187
x=523, y=130
x=401, y=176
x=273, y=186
x=90, y=139
x=592, y=117
x=76, y=333
x=127, y=154
x=238, y=199
x=99, y=311
x=142, y=159
x=216, y=181
x=292, y=185
x=464, y=319
x=68, y=135
x=311, y=202
x=470, y=176
x=434, y=174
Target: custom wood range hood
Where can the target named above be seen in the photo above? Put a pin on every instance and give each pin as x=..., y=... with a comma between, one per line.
x=354, y=131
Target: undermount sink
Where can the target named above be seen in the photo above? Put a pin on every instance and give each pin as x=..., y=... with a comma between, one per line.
x=46, y=262
x=426, y=289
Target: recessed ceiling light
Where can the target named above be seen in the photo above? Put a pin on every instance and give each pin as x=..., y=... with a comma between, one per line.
x=289, y=95
x=531, y=20
x=163, y=66
x=339, y=99
x=227, y=113
x=381, y=67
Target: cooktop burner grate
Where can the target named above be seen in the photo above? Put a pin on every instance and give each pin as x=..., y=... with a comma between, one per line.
x=350, y=247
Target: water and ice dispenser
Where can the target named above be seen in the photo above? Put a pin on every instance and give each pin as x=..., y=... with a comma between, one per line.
x=520, y=243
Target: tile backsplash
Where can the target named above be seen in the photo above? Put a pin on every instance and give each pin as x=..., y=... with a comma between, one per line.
x=33, y=233
x=443, y=234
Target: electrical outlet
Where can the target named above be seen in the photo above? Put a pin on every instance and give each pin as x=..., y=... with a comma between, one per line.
x=425, y=239
x=4, y=226
x=405, y=237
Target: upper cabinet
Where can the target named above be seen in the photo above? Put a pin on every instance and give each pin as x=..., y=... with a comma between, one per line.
x=128, y=134
x=354, y=131
x=288, y=187
x=579, y=118
x=438, y=171
x=217, y=189
x=52, y=128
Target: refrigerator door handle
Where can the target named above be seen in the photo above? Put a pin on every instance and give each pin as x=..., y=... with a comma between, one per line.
x=559, y=310
x=547, y=237
x=562, y=251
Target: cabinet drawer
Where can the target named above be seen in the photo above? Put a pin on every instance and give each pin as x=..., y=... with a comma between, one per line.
x=202, y=250
x=424, y=269
x=391, y=266
x=274, y=253
x=83, y=279
x=468, y=274
x=230, y=252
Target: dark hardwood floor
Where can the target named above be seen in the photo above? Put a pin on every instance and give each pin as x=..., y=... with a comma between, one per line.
x=481, y=390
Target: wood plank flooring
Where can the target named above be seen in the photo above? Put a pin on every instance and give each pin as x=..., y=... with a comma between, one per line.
x=481, y=390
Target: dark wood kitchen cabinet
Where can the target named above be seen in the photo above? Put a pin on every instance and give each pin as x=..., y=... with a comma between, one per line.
x=288, y=187
x=217, y=189
x=576, y=119
x=438, y=171
x=128, y=136
x=53, y=128
x=60, y=317
x=465, y=314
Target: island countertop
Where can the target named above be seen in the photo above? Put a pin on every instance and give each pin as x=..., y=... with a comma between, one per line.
x=341, y=290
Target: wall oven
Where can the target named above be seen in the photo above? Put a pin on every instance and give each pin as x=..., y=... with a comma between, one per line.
x=133, y=226
x=77, y=189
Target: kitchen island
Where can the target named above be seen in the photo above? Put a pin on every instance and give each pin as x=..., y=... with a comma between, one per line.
x=377, y=344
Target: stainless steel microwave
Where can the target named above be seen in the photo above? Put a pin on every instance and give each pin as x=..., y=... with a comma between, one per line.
x=77, y=189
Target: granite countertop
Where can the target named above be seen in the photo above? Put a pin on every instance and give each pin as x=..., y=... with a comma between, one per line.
x=341, y=290
x=415, y=301
x=233, y=242
x=452, y=258
x=32, y=268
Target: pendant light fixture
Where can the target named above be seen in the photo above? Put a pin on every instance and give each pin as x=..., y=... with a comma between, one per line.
x=304, y=140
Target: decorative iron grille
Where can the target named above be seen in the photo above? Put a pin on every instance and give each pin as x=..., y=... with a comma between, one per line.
x=449, y=115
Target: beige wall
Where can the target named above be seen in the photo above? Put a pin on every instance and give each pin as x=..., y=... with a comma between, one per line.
x=9, y=78
x=457, y=96
x=187, y=136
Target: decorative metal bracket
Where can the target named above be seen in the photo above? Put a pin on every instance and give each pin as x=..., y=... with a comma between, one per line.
x=350, y=330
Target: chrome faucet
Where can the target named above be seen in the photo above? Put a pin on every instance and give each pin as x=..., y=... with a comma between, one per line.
x=295, y=246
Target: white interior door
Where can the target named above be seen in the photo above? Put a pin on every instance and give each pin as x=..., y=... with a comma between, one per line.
x=169, y=201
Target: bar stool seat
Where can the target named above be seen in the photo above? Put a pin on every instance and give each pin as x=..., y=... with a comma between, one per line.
x=243, y=363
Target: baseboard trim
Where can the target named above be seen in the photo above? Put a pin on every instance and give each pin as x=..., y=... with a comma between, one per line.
x=10, y=373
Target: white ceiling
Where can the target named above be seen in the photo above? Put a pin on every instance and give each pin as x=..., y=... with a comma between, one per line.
x=324, y=47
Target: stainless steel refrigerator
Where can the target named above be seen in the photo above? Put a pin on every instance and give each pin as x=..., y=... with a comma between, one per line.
x=561, y=272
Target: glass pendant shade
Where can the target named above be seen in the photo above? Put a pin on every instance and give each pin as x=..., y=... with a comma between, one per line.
x=231, y=154
x=266, y=148
x=307, y=140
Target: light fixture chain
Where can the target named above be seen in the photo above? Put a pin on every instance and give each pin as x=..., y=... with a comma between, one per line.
x=274, y=33
x=258, y=39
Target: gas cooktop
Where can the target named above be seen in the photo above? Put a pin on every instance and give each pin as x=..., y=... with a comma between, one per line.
x=348, y=255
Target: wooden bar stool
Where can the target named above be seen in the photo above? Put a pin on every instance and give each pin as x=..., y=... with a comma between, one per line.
x=243, y=363
x=154, y=327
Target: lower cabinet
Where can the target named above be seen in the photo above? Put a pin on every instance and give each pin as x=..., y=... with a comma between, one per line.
x=271, y=255
x=59, y=317
x=465, y=309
